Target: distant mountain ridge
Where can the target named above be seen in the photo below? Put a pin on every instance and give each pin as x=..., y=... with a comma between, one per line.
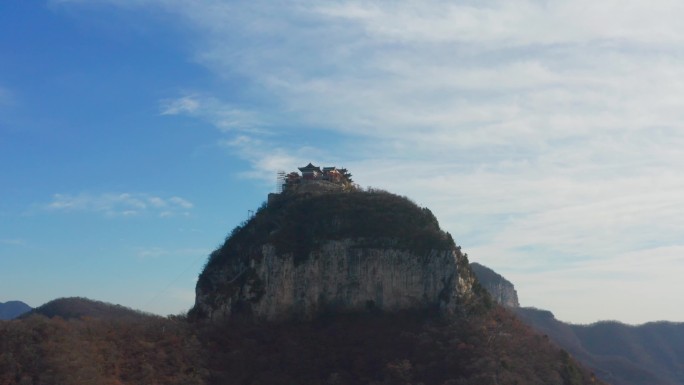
x=78, y=307
x=317, y=251
x=648, y=354
x=13, y=309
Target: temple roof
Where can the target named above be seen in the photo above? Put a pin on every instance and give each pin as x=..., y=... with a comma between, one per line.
x=310, y=167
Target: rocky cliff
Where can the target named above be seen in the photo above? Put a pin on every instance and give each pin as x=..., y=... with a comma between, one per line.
x=501, y=290
x=305, y=254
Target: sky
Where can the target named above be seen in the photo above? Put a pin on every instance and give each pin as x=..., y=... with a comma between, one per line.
x=545, y=135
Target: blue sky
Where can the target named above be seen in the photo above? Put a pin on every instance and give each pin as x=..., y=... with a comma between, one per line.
x=546, y=136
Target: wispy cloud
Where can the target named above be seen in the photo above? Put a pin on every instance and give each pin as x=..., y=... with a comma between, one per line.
x=541, y=133
x=268, y=157
x=184, y=105
x=250, y=136
x=152, y=252
x=221, y=115
x=380, y=69
x=120, y=204
x=473, y=83
x=12, y=241
x=158, y=252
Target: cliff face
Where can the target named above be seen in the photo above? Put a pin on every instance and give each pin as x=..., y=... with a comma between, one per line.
x=501, y=290
x=339, y=252
x=340, y=276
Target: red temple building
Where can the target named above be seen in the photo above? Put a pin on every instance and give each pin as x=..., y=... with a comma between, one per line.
x=311, y=172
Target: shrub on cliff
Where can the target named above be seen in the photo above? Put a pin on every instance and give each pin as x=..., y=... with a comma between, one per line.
x=299, y=223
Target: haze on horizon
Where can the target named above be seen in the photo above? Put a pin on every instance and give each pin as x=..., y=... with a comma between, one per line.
x=545, y=136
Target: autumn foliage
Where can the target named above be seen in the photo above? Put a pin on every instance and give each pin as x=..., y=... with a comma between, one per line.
x=153, y=350
x=482, y=346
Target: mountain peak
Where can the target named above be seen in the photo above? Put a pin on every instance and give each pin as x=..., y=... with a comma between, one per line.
x=303, y=254
x=79, y=307
x=13, y=309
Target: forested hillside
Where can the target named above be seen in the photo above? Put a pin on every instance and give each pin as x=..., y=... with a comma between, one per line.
x=485, y=346
x=649, y=354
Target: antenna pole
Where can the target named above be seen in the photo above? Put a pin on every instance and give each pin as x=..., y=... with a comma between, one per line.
x=280, y=181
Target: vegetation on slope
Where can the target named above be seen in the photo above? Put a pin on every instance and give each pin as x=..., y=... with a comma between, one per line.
x=485, y=346
x=299, y=223
x=146, y=350
x=649, y=354
x=404, y=348
x=79, y=307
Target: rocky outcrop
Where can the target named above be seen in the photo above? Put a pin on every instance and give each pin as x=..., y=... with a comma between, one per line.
x=340, y=252
x=501, y=290
x=339, y=277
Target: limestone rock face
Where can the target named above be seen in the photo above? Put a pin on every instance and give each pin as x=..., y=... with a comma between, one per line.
x=342, y=252
x=339, y=277
x=501, y=290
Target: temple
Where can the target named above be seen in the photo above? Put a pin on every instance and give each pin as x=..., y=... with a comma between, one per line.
x=311, y=173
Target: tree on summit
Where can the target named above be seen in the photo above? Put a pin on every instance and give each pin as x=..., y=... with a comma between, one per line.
x=345, y=173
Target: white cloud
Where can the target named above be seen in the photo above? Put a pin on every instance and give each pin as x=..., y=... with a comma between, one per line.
x=221, y=115
x=267, y=158
x=435, y=74
x=119, y=204
x=186, y=104
x=152, y=252
x=157, y=252
x=522, y=22
x=180, y=202
x=156, y=202
x=248, y=136
x=546, y=136
x=13, y=242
